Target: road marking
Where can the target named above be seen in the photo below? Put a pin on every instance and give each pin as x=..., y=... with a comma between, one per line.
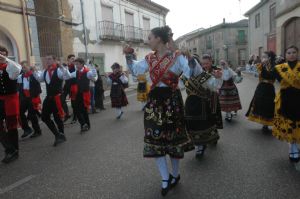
x=16, y=184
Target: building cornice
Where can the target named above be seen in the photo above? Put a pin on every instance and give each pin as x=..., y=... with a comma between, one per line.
x=257, y=6
x=287, y=10
x=148, y=4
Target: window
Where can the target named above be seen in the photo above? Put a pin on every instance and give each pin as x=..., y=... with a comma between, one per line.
x=241, y=36
x=107, y=13
x=242, y=57
x=146, y=23
x=272, y=18
x=194, y=50
x=129, y=20
x=257, y=20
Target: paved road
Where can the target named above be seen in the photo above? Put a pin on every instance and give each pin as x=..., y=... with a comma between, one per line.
x=107, y=162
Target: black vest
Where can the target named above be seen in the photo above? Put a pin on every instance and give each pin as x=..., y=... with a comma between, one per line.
x=34, y=87
x=71, y=81
x=7, y=86
x=55, y=86
x=83, y=83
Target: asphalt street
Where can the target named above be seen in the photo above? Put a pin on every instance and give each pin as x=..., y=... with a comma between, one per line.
x=107, y=162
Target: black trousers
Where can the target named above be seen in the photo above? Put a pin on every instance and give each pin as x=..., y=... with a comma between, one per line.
x=99, y=98
x=64, y=103
x=81, y=111
x=8, y=138
x=26, y=105
x=50, y=108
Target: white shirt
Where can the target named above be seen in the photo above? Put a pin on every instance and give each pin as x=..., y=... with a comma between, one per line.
x=180, y=66
x=25, y=82
x=123, y=79
x=228, y=73
x=62, y=73
x=13, y=69
x=91, y=74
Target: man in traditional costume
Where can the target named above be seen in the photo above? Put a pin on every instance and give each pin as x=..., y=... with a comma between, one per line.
x=53, y=76
x=83, y=76
x=30, y=101
x=9, y=106
x=69, y=89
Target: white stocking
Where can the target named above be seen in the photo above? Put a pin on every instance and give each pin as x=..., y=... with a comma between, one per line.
x=163, y=169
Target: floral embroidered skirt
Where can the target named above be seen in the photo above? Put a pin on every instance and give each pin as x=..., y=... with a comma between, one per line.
x=261, y=108
x=229, y=97
x=287, y=116
x=201, y=123
x=165, y=130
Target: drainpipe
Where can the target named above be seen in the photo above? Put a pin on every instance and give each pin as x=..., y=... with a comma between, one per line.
x=84, y=31
x=26, y=30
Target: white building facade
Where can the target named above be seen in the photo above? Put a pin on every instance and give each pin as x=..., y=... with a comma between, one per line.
x=110, y=24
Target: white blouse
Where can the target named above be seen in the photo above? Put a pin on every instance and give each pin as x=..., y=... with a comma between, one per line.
x=228, y=73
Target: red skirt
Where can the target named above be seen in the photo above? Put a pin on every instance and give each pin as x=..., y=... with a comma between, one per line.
x=229, y=97
x=11, y=107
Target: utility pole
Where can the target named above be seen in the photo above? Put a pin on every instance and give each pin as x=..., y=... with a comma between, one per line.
x=84, y=31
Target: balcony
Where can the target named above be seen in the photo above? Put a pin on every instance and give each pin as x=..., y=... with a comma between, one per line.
x=118, y=32
x=241, y=40
x=111, y=31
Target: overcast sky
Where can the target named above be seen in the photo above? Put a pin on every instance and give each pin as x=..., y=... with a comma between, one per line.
x=188, y=15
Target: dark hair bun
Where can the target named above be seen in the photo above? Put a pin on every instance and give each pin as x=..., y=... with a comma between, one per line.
x=164, y=33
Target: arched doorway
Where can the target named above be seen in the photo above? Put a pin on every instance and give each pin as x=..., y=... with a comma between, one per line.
x=292, y=32
x=9, y=43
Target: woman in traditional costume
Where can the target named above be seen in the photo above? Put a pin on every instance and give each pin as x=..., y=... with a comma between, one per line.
x=261, y=108
x=202, y=109
x=228, y=93
x=164, y=125
x=286, y=126
x=118, y=81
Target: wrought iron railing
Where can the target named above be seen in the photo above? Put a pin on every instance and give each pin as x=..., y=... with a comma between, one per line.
x=115, y=31
x=111, y=31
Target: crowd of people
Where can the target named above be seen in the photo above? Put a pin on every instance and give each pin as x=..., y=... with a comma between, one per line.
x=172, y=126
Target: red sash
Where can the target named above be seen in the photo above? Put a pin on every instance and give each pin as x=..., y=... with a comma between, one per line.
x=159, y=68
x=59, y=107
x=73, y=91
x=51, y=70
x=86, y=99
x=3, y=66
x=37, y=103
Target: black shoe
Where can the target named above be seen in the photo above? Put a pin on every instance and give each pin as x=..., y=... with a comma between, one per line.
x=11, y=157
x=164, y=191
x=26, y=133
x=294, y=159
x=74, y=121
x=173, y=184
x=85, y=128
x=67, y=117
x=200, y=153
x=266, y=130
x=119, y=117
x=59, y=139
x=36, y=134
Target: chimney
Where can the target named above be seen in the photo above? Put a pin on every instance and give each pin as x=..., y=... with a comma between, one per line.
x=224, y=21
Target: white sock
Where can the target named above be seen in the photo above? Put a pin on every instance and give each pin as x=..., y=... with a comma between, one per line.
x=163, y=169
x=294, y=149
x=119, y=111
x=199, y=148
x=175, y=167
